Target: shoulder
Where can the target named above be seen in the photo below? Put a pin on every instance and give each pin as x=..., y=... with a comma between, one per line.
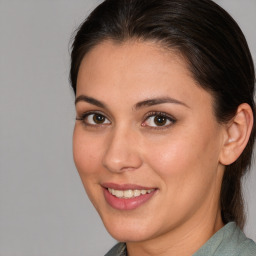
x=228, y=241
x=118, y=250
x=249, y=249
x=245, y=248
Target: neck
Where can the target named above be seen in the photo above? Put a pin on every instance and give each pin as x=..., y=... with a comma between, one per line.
x=180, y=241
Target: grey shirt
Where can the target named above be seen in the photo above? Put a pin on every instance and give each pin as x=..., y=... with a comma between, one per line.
x=228, y=241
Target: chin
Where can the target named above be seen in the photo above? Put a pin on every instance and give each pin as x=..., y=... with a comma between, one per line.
x=128, y=230
x=122, y=235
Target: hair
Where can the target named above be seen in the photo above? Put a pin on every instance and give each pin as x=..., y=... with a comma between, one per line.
x=212, y=44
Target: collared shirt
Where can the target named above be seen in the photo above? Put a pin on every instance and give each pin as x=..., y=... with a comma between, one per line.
x=228, y=241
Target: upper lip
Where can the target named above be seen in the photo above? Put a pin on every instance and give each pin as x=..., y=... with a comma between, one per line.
x=125, y=186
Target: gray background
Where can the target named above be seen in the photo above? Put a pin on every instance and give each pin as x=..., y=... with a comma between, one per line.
x=43, y=206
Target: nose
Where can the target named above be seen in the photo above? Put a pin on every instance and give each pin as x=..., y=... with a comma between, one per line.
x=122, y=151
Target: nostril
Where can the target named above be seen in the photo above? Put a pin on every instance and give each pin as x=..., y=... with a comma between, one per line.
x=122, y=161
x=121, y=152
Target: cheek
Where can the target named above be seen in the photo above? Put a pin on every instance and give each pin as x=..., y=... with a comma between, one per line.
x=185, y=157
x=187, y=172
x=86, y=152
x=87, y=155
x=171, y=160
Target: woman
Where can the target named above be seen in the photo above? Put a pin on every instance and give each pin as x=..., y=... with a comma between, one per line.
x=165, y=125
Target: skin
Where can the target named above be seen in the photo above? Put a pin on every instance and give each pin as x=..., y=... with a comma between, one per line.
x=182, y=159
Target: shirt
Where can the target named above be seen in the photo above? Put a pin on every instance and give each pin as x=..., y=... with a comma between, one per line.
x=228, y=241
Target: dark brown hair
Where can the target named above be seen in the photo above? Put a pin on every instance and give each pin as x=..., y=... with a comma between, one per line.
x=214, y=47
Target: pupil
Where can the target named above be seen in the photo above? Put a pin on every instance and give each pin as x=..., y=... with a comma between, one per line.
x=98, y=119
x=160, y=120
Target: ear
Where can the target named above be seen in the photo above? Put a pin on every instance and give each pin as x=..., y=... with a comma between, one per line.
x=237, y=134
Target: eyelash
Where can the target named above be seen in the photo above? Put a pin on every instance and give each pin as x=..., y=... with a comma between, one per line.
x=85, y=115
x=168, y=117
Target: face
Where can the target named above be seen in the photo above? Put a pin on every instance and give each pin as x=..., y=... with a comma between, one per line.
x=146, y=142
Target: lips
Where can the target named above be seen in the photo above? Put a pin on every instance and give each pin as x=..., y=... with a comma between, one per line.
x=127, y=196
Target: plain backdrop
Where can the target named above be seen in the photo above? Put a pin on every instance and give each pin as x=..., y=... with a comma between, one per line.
x=44, y=210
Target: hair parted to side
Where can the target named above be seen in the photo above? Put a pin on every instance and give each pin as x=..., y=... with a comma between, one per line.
x=214, y=47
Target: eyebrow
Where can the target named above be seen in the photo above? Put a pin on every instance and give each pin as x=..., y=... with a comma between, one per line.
x=90, y=100
x=156, y=101
x=141, y=104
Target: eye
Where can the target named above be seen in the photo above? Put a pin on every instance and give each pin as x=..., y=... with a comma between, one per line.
x=158, y=120
x=93, y=119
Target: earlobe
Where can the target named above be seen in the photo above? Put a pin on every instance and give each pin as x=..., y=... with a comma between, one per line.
x=238, y=132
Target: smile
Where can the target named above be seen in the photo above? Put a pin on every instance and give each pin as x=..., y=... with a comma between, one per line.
x=129, y=193
x=128, y=196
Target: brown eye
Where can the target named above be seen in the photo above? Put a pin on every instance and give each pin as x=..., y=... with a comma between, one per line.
x=99, y=119
x=160, y=120
x=95, y=119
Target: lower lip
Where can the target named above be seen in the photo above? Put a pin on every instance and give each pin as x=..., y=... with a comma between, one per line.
x=126, y=204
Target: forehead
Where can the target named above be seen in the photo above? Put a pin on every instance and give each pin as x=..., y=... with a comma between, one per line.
x=135, y=69
x=133, y=52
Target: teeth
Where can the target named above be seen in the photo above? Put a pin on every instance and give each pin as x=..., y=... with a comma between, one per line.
x=143, y=192
x=136, y=193
x=119, y=193
x=129, y=193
